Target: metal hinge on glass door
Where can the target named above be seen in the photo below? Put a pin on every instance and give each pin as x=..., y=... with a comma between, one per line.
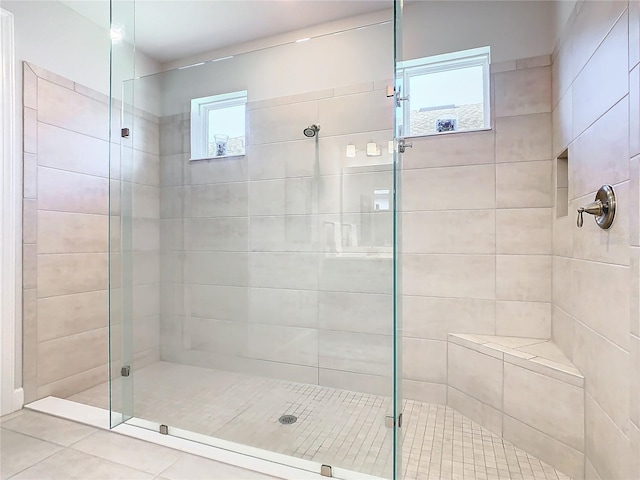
x=403, y=145
x=390, y=422
x=391, y=92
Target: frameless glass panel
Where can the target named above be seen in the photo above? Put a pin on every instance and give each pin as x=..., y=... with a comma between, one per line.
x=398, y=404
x=120, y=203
x=273, y=297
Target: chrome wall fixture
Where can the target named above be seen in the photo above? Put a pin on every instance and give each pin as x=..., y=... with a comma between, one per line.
x=603, y=208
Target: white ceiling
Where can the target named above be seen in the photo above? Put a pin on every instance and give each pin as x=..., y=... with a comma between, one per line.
x=171, y=29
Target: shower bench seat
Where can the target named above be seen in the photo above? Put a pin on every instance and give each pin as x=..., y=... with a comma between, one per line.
x=523, y=389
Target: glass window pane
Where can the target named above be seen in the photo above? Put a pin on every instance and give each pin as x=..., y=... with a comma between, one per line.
x=226, y=124
x=451, y=100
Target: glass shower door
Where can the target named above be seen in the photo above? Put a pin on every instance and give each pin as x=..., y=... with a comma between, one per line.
x=275, y=292
x=398, y=10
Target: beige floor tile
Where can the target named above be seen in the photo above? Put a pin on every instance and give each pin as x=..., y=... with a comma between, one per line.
x=190, y=467
x=70, y=465
x=148, y=457
x=46, y=427
x=19, y=452
x=11, y=416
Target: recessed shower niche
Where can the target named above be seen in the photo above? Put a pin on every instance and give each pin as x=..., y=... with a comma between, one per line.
x=562, y=184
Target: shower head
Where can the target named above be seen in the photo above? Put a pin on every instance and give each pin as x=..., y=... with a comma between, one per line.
x=311, y=131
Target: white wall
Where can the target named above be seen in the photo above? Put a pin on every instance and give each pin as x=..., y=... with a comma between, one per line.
x=58, y=39
x=513, y=29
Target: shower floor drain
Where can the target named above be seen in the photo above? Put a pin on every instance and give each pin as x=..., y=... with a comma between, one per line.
x=288, y=419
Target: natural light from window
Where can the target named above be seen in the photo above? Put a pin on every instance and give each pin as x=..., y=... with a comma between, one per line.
x=218, y=126
x=446, y=93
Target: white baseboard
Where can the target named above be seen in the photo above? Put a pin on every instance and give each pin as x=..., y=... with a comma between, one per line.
x=18, y=399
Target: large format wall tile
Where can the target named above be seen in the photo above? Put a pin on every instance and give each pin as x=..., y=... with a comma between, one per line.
x=458, y=276
x=601, y=153
x=523, y=277
x=70, y=110
x=604, y=80
x=468, y=148
x=363, y=112
x=551, y=406
x=476, y=375
x=72, y=354
x=524, y=184
x=218, y=234
x=482, y=413
x=546, y=448
x=67, y=177
x=434, y=317
x=286, y=344
x=67, y=150
x=523, y=138
x=593, y=23
x=285, y=233
x=424, y=360
x=220, y=200
x=595, y=315
x=64, y=274
x=356, y=352
x=292, y=196
x=213, y=301
x=523, y=92
x=365, y=274
x=60, y=232
x=607, y=447
x=462, y=231
x=281, y=123
x=72, y=192
x=606, y=367
x=454, y=188
x=355, y=312
x=525, y=319
x=295, y=270
x=65, y=315
x=283, y=160
x=523, y=231
x=287, y=307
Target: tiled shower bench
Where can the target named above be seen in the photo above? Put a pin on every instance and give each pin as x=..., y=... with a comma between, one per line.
x=523, y=389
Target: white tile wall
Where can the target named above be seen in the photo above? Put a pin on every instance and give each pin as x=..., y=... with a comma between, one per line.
x=595, y=91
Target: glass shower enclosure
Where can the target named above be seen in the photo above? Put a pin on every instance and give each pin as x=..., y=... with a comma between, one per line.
x=253, y=276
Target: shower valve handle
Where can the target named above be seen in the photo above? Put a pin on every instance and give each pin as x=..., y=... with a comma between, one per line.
x=594, y=208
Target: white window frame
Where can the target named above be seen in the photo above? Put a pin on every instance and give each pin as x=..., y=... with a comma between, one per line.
x=441, y=63
x=200, y=108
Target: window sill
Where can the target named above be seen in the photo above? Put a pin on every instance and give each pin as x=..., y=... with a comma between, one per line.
x=428, y=135
x=197, y=159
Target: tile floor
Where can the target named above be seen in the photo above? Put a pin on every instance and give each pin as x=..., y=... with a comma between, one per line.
x=337, y=427
x=37, y=446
